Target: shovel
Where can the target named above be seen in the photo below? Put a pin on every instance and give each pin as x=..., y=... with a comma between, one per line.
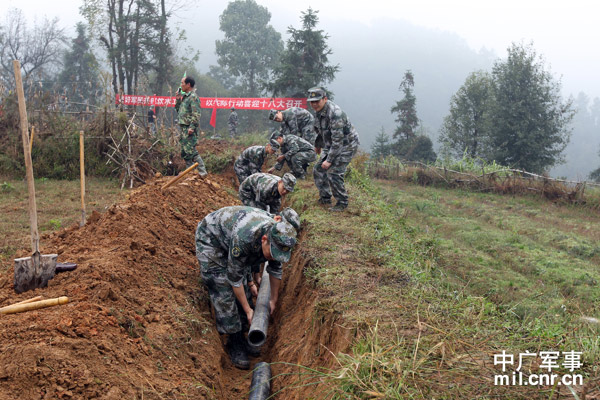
x=35, y=271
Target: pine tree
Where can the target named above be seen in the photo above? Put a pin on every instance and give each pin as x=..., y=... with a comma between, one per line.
x=80, y=73
x=406, y=109
x=305, y=61
x=381, y=147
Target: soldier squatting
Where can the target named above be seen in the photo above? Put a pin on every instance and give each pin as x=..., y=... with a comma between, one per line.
x=232, y=243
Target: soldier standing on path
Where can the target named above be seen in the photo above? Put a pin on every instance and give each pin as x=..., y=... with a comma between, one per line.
x=251, y=161
x=230, y=242
x=188, y=109
x=232, y=122
x=339, y=141
x=297, y=152
x=295, y=121
x=265, y=191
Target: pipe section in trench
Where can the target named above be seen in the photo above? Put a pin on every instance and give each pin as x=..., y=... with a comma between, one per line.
x=257, y=335
x=261, y=382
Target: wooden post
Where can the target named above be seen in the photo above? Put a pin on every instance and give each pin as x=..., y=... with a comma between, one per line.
x=82, y=176
x=32, y=135
x=33, y=223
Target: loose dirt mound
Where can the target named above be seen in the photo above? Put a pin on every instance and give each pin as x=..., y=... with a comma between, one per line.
x=137, y=325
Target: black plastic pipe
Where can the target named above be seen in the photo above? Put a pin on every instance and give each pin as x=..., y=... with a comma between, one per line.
x=260, y=321
x=260, y=388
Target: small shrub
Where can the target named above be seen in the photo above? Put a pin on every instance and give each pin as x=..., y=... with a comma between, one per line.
x=55, y=224
x=7, y=187
x=217, y=163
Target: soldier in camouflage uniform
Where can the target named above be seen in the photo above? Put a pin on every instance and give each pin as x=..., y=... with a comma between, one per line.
x=265, y=191
x=188, y=109
x=297, y=152
x=251, y=161
x=230, y=242
x=339, y=141
x=296, y=121
x=232, y=122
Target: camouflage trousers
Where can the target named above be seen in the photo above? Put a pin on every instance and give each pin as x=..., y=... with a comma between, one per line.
x=229, y=314
x=331, y=181
x=232, y=130
x=243, y=171
x=299, y=163
x=188, y=149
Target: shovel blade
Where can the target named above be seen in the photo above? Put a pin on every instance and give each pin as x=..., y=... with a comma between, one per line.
x=33, y=272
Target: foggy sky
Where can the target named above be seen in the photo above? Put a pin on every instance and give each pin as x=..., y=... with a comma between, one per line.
x=566, y=34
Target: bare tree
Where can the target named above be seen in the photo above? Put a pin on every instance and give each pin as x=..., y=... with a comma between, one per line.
x=136, y=38
x=39, y=50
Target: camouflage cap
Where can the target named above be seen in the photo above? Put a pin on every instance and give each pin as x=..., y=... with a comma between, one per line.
x=282, y=237
x=316, y=93
x=289, y=181
x=290, y=216
x=272, y=114
x=273, y=139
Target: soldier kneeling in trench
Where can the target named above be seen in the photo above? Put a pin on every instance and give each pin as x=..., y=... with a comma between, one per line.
x=230, y=244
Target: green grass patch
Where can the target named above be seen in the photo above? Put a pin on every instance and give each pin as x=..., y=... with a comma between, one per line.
x=217, y=163
x=437, y=282
x=58, y=204
x=251, y=139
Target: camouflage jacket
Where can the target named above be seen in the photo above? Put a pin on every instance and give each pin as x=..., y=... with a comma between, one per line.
x=334, y=131
x=291, y=146
x=252, y=157
x=260, y=191
x=298, y=121
x=233, y=118
x=188, y=109
x=232, y=238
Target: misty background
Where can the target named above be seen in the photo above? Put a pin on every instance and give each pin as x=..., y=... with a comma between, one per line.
x=373, y=58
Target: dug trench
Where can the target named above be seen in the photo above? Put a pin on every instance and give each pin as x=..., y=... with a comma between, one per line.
x=139, y=323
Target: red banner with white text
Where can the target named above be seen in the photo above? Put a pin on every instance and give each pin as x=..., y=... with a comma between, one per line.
x=279, y=103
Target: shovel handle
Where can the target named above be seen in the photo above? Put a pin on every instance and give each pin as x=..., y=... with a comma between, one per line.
x=18, y=308
x=35, y=237
x=178, y=177
x=36, y=298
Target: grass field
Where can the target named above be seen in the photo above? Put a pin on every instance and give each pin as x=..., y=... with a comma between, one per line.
x=533, y=258
x=58, y=204
x=438, y=281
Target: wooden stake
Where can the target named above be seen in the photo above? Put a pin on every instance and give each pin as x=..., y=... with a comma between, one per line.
x=33, y=223
x=178, y=177
x=82, y=177
x=31, y=140
x=18, y=308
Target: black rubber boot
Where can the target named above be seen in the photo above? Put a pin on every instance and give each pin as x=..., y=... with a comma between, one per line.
x=253, y=351
x=338, y=207
x=323, y=200
x=237, y=350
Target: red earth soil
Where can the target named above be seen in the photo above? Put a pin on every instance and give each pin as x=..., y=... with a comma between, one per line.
x=138, y=324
